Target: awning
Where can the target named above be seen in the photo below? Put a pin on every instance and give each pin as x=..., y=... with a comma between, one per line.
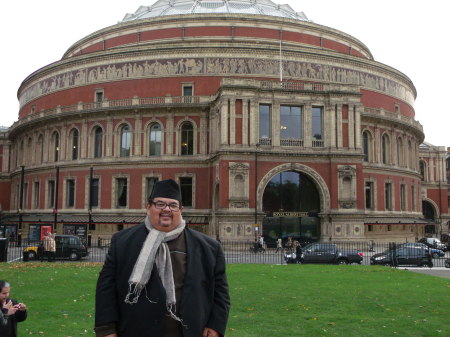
x=397, y=221
x=97, y=219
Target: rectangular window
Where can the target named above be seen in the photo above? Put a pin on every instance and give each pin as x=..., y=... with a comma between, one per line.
x=70, y=193
x=95, y=183
x=369, y=195
x=149, y=184
x=413, y=198
x=290, y=123
x=186, y=191
x=370, y=228
x=188, y=92
x=122, y=189
x=36, y=193
x=402, y=197
x=388, y=196
x=317, y=123
x=99, y=96
x=51, y=194
x=264, y=124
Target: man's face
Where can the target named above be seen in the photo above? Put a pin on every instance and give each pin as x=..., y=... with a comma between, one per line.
x=4, y=294
x=164, y=219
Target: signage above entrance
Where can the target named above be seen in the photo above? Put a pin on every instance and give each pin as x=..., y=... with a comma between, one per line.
x=293, y=214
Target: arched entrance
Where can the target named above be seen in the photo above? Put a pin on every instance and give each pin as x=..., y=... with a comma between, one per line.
x=429, y=213
x=291, y=202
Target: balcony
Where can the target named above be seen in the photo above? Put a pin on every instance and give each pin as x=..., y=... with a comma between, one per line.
x=135, y=102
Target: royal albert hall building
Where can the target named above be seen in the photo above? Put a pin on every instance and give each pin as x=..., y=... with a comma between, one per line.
x=271, y=123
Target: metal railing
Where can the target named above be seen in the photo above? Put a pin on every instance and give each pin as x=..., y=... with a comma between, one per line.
x=245, y=252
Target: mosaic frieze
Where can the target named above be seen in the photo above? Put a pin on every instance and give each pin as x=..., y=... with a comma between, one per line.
x=216, y=66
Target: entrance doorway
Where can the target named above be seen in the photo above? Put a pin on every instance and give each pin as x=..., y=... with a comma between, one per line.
x=291, y=202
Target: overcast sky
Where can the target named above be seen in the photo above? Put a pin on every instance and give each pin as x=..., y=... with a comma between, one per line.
x=409, y=35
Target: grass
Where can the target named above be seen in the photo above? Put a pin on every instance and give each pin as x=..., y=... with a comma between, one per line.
x=267, y=300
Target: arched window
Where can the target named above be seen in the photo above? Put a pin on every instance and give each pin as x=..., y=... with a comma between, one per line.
x=385, y=146
x=74, y=140
x=187, y=139
x=155, y=140
x=367, y=146
x=55, y=143
x=400, y=152
x=125, y=141
x=98, y=142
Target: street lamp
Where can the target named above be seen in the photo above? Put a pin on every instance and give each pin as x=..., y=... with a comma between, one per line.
x=256, y=190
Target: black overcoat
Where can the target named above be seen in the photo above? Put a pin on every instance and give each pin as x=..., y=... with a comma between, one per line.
x=204, y=303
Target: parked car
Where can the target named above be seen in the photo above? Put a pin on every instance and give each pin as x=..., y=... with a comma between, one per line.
x=433, y=243
x=435, y=253
x=329, y=253
x=403, y=256
x=67, y=246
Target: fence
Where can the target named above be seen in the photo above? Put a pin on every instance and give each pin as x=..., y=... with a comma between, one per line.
x=245, y=252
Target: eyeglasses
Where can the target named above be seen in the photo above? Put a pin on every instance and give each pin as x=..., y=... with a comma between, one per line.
x=161, y=205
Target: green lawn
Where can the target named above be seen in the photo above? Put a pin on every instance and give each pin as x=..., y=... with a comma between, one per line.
x=267, y=300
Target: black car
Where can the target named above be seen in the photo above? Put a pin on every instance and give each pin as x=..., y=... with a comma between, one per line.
x=403, y=256
x=329, y=253
x=67, y=246
x=435, y=253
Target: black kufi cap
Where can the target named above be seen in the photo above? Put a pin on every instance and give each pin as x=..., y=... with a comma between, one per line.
x=166, y=189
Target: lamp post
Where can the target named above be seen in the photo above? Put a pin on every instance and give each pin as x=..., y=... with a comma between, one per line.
x=256, y=191
x=55, y=209
x=91, y=176
x=22, y=179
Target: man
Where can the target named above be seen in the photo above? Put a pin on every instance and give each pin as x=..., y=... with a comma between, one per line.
x=11, y=312
x=161, y=279
x=49, y=247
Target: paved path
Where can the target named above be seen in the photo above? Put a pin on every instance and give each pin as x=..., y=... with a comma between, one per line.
x=435, y=271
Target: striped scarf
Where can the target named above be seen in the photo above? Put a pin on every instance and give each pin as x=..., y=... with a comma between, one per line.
x=155, y=250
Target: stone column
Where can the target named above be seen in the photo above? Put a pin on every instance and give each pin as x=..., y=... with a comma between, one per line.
x=245, y=121
x=168, y=137
x=84, y=140
x=63, y=146
x=47, y=142
x=275, y=116
x=377, y=142
x=339, y=126
x=358, y=126
x=254, y=125
x=109, y=137
x=233, y=121
x=351, y=127
x=224, y=122
x=137, y=136
x=307, y=135
x=203, y=133
x=6, y=155
x=330, y=126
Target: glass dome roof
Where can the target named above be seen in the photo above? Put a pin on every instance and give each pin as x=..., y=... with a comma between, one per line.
x=180, y=7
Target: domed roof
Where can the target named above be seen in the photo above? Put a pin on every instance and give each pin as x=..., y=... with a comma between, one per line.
x=181, y=7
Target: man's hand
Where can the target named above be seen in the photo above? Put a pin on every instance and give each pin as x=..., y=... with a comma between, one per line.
x=10, y=307
x=210, y=333
x=112, y=335
x=21, y=307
